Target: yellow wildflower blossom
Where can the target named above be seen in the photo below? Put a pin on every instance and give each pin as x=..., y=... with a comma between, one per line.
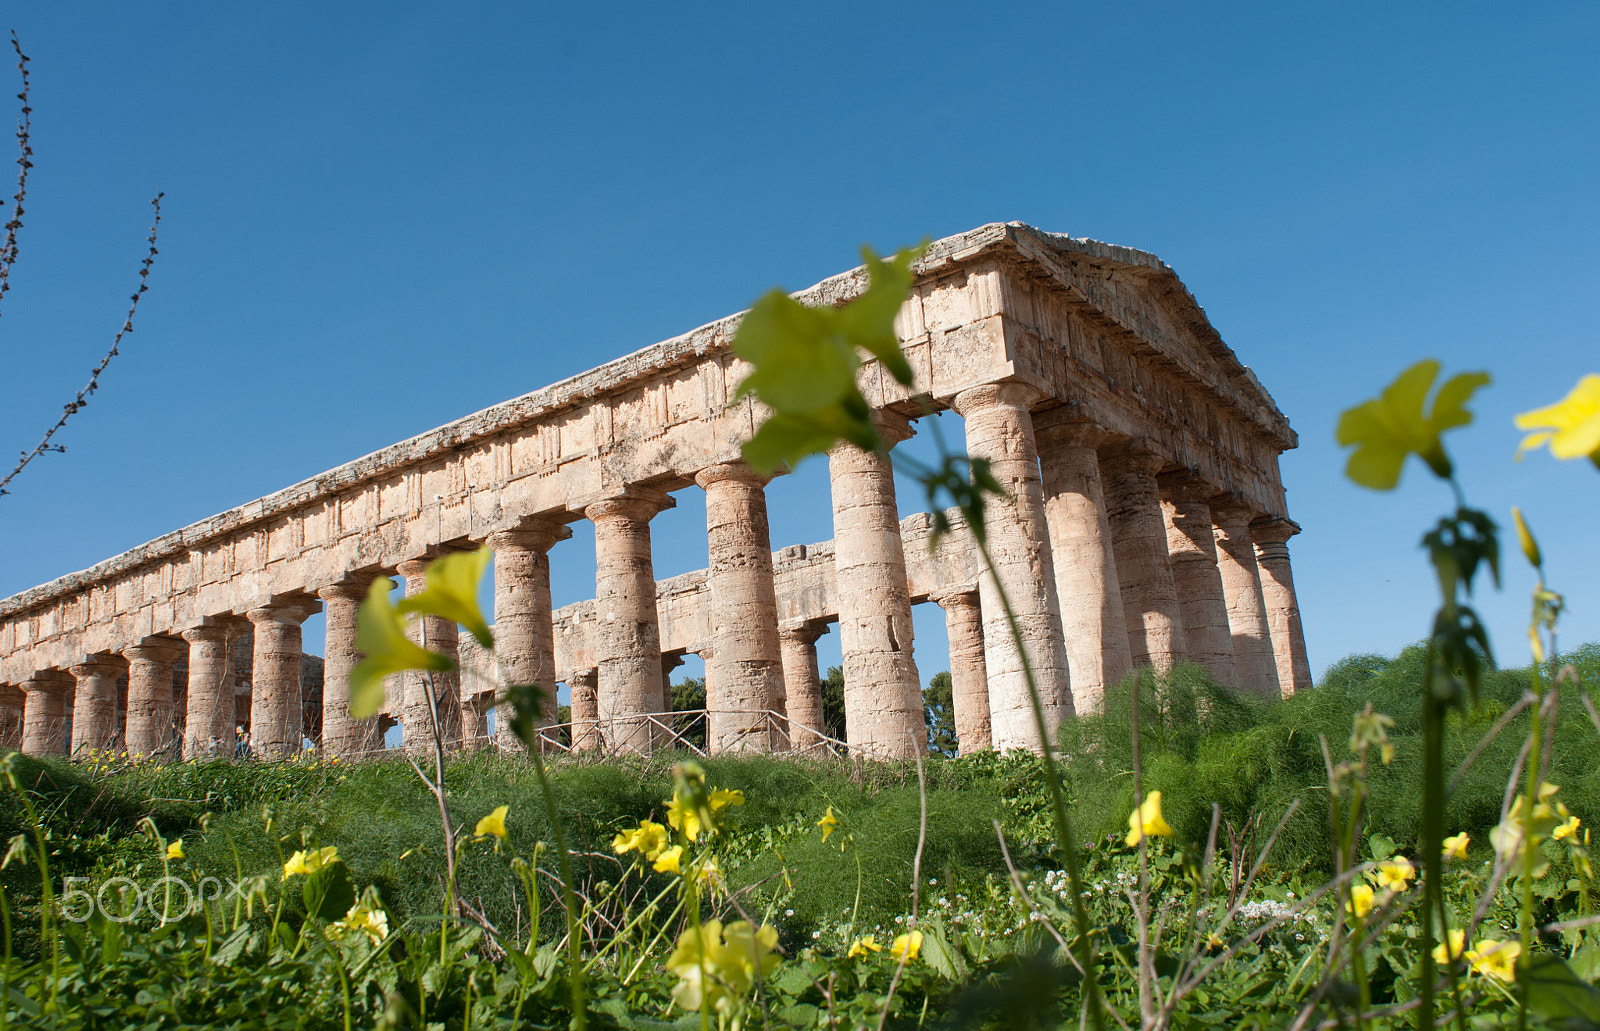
x=683, y=816
x=906, y=946
x=1360, y=903
x=1566, y=829
x=1394, y=873
x=1571, y=426
x=367, y=919
x=864, y=947
x=722, y=798
x=1445, y=953
x=493, y=825
x=1497, y=959
x=175, y=850
x=829, y=823
x=667, y=861
x=1147, y=820
x=1456, y=847
x=717, y=966
x=309, y=861
x=649, y=839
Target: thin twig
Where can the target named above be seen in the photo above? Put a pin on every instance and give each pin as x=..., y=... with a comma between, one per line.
x=82, y=398
x=8, y=248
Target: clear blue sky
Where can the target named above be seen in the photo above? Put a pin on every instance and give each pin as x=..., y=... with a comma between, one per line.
x=382, y=217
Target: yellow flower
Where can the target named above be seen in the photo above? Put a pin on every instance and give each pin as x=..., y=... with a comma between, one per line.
x=649, y=839
x=906, y=946
x=1394, y=873
x=1147, y=820
x=667, y=861
x=722, y=798
x=1456, y=847
x=175, y=850
x=829, y=823
x=717, y=966
x=1444, y=955
x=493, y=825
x=1360, y=903
x=864, y=947
x=683, y=816
x=366, y=918
x=1566, y=829
x=1497, y=959
x=1530, y=546
x=1571, y=426
x=310, y=861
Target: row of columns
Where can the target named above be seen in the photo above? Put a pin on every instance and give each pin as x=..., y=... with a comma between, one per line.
x=1106, y=562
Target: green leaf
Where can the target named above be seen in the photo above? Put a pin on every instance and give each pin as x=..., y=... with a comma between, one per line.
x=452, y=592
x=1397, y=423
x=1558, y=994
x=328, y=891
x=381, y=638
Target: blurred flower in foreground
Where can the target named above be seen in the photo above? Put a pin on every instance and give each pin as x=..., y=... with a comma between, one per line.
x=1571, y=426
x=1147, y=820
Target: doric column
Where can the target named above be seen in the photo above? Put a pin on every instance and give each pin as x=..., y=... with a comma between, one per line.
x=11, y=702
x=208, y=727
x=1247, y=611
x=744, y=611
x=1087, y=587
x=1139, y=541
x=151, y=729
x=882, y=693
x=94, y=705
x=524, y=636
x=1192, y=548
x=344, y=736
x=276, y=721
x=969, y=677
x=802, y=685
x=585, y=709
x=627, y=638
x=44, y=712
x=1283, y=610
x=440, y=635
x=1000, y=429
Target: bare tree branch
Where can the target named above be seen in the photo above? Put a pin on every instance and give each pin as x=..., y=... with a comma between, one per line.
x=8, y=248
x=82, y=399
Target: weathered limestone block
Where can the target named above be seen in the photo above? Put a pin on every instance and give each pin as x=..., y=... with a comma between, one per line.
x=44, y=712
x=744, y=677
x=94, y=705
x=276, y=730
x=802, y=685
x=1283, y=609
x=1000, y=429
x=1087, y=587
x=524, y=635
x=1247, y=611
x=969, y=677
x=151, y=728
x=1192, y=546
x=1139, y=540
x=209, y=726
x=344, y=736
x=628, y=642
x=882, y=692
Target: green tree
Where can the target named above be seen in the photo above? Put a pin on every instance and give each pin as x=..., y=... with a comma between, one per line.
x=938, y=702
x=833, y=721
x=689, y=698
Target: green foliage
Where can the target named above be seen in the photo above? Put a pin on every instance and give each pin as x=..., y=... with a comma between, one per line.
x=689, y=696
x=833, y=717
x=806, y=359
x=938, y=703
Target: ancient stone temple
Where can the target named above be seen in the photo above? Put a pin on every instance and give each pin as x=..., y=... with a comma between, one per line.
x=1146, y=525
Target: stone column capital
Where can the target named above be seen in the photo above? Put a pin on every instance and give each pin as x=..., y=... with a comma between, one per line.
x=154, y=649
x=806, y=631
x=532, y=534
x=354, y=588
x=209, y=631
x=582, y=675
x=1270, y=530
x=1052, y=433
x=1010, y=394
x=959, y=596
x=1185, y=486
x=283, y=612
x=638, y=504
x=723, y=472
x=1135, y=455
x=48, y=681
x=1231, y=513
x=99, y=666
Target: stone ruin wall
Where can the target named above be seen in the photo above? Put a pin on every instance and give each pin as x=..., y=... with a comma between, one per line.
x=1147, y=524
